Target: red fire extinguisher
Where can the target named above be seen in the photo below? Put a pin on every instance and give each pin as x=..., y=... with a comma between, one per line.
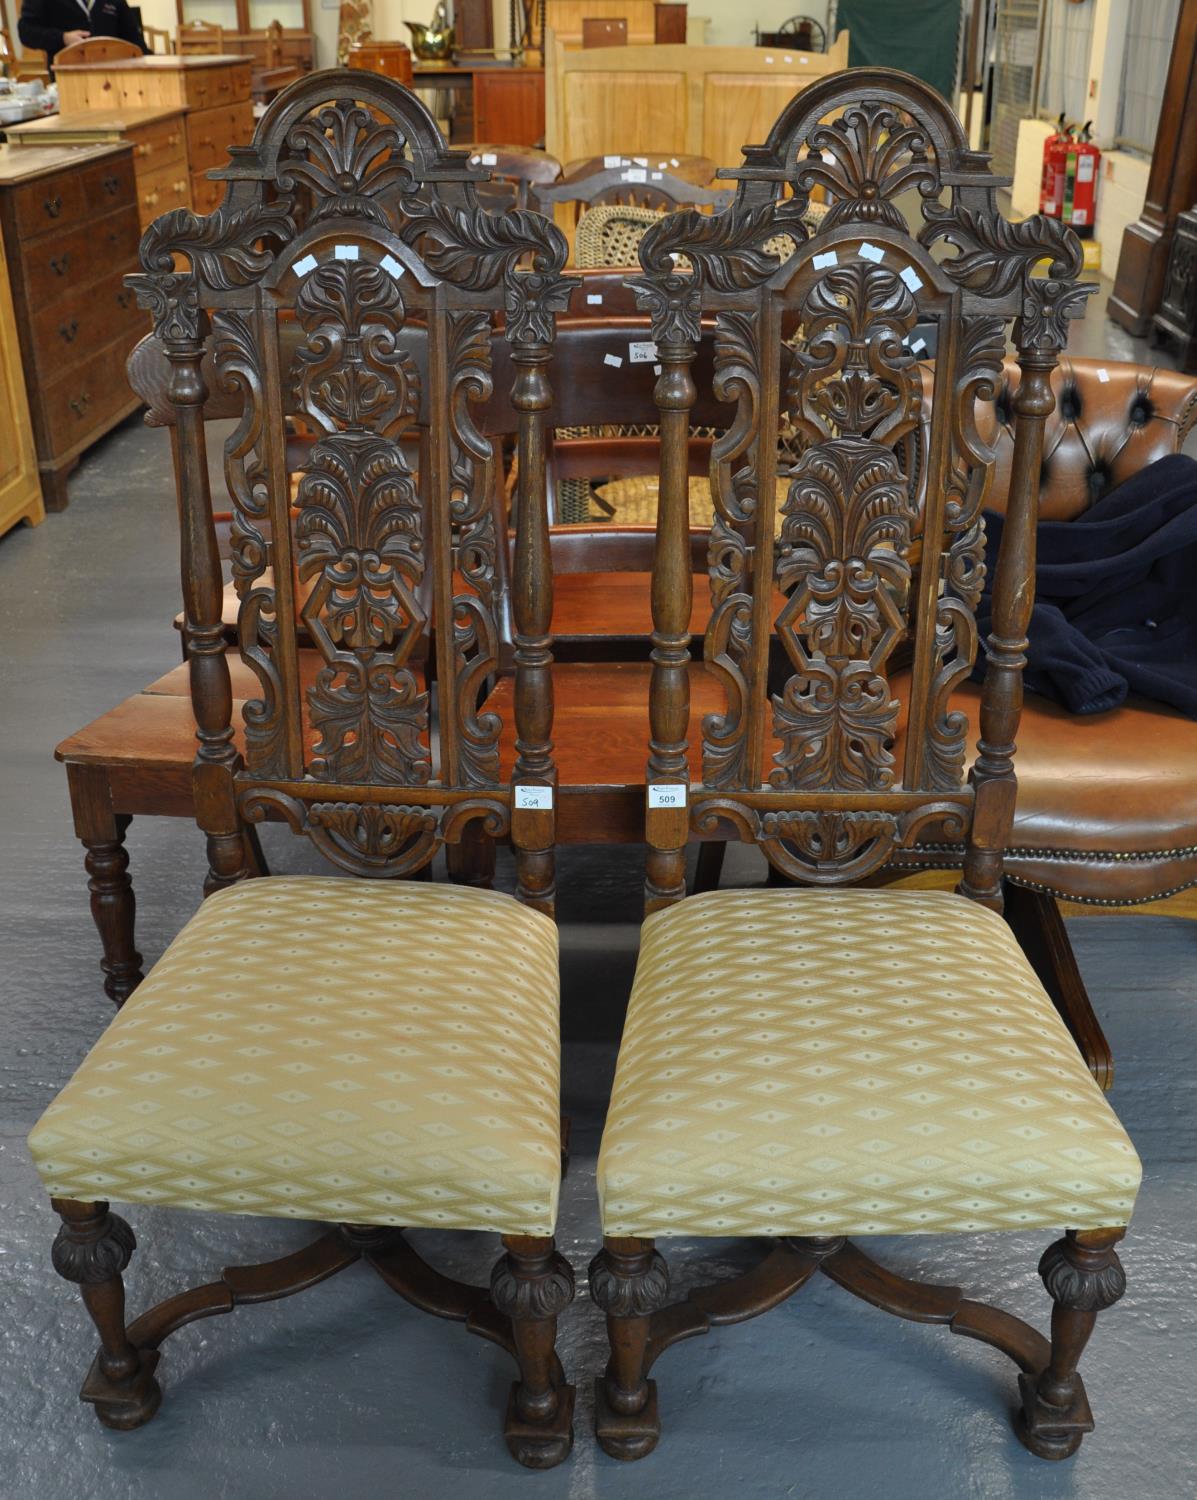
x=1055, y=157
x=1082, y=158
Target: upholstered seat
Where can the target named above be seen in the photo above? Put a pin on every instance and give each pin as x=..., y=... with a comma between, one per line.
x=819, y=1063
x=367, y=1052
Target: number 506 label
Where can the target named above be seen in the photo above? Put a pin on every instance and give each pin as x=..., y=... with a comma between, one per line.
x=666, y=794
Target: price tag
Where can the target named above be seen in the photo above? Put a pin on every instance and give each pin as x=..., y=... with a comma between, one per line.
x=634, y=174
x=666, y=794
x=345, y=252
x=614, y=360
x=919, y=344
x=657, y=176
x=828, y=258
x=489, y=159
x=539, y=798
x=643, y=353
x=594, y=299
x=641, y=161
x=302, y=267
x=1103, y=375
x=392, y=266
x=912, y=278
x=612, y=161
x=871, y=252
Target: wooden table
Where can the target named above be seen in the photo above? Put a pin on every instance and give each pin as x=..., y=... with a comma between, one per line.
x=157, y=134
x=70, y=229
x=213, y=92
x=502, y=101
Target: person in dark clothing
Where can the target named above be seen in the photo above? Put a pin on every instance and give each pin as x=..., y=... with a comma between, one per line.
x=1115, y=595
x=50, y=25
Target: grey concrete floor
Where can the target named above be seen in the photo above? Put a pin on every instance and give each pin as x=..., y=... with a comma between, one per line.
x=348, y=1391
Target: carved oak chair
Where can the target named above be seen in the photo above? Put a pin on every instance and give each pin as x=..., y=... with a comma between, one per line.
x=378, y=1053
x=813, y=1063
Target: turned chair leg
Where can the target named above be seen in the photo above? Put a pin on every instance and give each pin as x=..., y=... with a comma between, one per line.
x=113, y=905
x=629, y=1281
x=1083, y=1275
x=92, y=1248
x=531, y=1284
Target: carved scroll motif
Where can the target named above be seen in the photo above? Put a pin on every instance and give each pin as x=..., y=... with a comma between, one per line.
x=475, y=642
x=983, y=345
x=728, y=646
x=349, y=162
x=863, y=160
x=238, y=368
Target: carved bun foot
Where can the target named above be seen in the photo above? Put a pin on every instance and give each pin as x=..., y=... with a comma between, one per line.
x=1051, y=1432
x=124, y=1405
x=540, y=1445
x=627, y=1436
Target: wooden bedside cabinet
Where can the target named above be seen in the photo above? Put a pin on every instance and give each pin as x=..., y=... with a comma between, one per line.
x=71, y=231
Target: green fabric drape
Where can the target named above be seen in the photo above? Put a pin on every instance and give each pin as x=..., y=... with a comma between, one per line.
x=918, y=36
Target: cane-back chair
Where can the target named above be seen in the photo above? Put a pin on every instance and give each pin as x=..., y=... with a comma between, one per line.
x=815, y=1062
x=375, y=1052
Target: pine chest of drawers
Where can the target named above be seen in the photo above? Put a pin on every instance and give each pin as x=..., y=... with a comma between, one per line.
x=71, y=231
x=215, y=94
x=158, y=137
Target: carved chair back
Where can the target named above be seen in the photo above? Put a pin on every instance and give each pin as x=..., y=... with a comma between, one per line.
x=876, y=539
x=351, y=277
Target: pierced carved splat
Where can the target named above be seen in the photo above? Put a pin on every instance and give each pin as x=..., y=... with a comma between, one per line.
x=842, y=563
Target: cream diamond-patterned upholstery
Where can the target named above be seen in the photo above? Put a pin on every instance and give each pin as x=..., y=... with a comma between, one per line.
x=367, y=1052
x=819, y=1063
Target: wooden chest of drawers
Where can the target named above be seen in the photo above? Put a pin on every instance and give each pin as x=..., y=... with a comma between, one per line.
x=20, y=487
x=71, y=229
x=158, y=138
x=214, y=94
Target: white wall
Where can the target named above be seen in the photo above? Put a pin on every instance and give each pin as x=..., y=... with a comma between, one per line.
x=732, y=21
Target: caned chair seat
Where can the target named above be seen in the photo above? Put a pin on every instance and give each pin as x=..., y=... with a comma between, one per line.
x=367, y=1052
x=818, y=1063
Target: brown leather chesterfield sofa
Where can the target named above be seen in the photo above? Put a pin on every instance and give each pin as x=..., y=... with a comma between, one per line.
x=1107, y=804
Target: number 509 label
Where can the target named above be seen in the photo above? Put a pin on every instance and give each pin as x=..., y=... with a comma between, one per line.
x=666, y=794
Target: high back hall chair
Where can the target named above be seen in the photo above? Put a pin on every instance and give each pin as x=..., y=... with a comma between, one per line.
x=380, y=1053
x=817, y=1062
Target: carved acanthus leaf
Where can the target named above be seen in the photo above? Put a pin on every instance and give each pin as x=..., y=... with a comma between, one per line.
x=223, y=246
x=863, y=160
x=995, y=255
x=727, y=250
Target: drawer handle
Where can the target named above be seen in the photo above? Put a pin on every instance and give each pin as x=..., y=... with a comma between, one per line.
x=67, y=331
x=141, y=149
x=79, y=404
x=53, y=206
x=112, y=184
x=151, y=199
x=181, y=185
x=60, y=265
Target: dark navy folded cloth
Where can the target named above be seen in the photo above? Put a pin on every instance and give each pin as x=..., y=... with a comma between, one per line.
x=1115, y=595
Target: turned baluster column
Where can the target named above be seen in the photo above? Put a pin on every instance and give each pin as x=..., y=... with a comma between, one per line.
x=1013, y=596
x=672, y=599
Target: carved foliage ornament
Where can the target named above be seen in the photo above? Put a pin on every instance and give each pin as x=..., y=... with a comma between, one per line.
x=863, y=160
x=348, y=160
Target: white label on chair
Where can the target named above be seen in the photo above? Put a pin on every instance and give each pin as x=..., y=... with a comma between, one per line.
x=917, y=345
x=871, y=252
x=828, y=258
x=612, y=359
x=657, y=176
x=635, y=174
x=344, y=252
x=912, y=278
x=642, y=353
x=594, y=299
x=666, y=794
x=302, y=267
x=656, y=369
x=489, y=159
x=538, y=797
x=392, y=266
x=673, y=162
x=641, y=161
x=1104, y=376
x=612, y=161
